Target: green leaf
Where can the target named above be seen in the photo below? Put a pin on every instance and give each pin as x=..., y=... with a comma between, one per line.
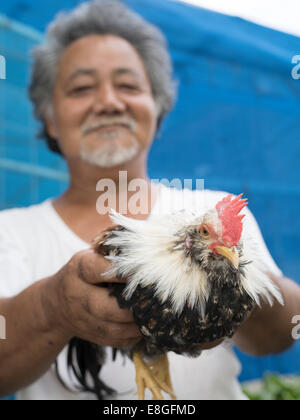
x=276, y=387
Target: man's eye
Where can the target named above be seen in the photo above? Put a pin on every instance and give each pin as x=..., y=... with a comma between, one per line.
x=129, y=87
x=81, y=89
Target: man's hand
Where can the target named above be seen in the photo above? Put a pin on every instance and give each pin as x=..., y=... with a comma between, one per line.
x=86, y=310
x=267, y=329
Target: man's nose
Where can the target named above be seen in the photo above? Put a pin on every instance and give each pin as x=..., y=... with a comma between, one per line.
x=107, y=100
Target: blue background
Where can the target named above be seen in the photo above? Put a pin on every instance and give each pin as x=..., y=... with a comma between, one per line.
x=236, y=123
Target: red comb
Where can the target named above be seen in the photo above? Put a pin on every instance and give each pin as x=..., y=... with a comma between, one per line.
x=228, y=211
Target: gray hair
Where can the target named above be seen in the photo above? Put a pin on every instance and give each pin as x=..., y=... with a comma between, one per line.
x=100, y=17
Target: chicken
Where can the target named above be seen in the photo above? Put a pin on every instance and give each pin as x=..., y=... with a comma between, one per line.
x=188, y=280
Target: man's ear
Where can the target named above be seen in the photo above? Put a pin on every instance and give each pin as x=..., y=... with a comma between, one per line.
x=50, y=124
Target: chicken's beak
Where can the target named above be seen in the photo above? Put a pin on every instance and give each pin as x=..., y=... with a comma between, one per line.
x=230, y=253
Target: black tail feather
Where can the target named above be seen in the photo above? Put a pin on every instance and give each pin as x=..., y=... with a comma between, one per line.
x=85, y=359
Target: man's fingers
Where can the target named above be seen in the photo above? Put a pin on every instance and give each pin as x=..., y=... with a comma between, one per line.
x=120, y=331
x=117, y=343
x=91, y=267
x=107, y=307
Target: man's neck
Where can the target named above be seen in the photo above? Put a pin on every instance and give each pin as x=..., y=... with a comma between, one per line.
x=86, y=180
x=119, y=186
x=79, y=206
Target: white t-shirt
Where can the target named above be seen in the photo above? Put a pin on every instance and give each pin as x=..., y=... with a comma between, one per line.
x=35, y=243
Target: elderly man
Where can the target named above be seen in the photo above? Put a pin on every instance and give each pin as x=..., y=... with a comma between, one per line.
x=101, y=86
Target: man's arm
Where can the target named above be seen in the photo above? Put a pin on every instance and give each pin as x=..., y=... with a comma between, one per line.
x=44, y=317
x=268, y=330
x=32, y=341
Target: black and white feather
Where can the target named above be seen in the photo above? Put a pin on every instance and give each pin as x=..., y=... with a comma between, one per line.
x=180, y=292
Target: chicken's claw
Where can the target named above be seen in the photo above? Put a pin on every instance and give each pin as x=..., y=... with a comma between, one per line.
x=155, y=376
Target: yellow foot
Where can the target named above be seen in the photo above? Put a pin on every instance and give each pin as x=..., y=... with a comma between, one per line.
x=154, y=376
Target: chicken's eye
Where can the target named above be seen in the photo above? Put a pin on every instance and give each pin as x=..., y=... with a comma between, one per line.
x=204, y=232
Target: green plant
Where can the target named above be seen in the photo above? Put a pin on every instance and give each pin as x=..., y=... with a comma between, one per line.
x=276, y=387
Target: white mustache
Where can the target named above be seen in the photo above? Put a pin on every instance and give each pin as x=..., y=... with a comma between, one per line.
x=130, y=124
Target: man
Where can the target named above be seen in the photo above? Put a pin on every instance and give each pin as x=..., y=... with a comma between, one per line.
x=101, y=86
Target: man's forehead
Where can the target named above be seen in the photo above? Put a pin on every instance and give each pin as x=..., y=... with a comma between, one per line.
x=92, y=71
x=96, y=54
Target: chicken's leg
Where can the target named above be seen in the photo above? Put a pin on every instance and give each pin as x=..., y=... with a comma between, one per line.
x=154, y=375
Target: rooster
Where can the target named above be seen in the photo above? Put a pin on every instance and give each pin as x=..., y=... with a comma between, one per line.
x=188, y=280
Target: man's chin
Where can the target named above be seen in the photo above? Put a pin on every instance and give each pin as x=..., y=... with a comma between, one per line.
x=108, y=160
x=111, y=153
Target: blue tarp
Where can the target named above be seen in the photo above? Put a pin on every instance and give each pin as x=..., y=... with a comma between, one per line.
x=236, y=122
